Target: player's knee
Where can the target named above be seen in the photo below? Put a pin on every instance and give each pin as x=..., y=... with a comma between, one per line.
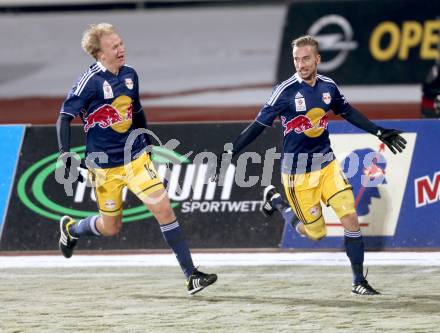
x=352, y=217
x=317, y=236
x=110, y=231
x=350, y=222
x=162, y=211
x=343, y=204
x=316, y=230
x=112, y=227
x=115, y=229
x=166, y=215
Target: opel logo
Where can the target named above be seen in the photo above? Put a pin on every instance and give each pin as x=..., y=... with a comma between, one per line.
x=340, y=41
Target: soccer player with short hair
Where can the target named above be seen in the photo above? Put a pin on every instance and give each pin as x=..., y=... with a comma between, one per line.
x=106, y=98
x=310, y=173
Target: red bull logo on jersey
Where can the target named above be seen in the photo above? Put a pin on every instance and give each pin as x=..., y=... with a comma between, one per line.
x=312, y=124
x=299, y=124
x=323, y=121
x=118, y=115
x=104, y=117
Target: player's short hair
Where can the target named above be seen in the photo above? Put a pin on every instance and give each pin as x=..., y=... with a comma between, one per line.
x=305, y=41
x=90, y=42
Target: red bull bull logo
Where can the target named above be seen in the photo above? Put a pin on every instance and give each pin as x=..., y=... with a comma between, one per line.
x=323, y=121
x=299, y=124
x=314, y=123
x=104, y=117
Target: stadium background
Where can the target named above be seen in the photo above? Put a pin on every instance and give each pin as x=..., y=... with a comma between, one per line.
x=206, y=67
x=216, y=61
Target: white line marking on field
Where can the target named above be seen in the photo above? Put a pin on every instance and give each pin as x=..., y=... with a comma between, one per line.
x=223, y=259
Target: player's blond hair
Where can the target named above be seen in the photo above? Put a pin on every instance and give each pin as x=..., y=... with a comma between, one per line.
x=90, y=42
x=305, y=41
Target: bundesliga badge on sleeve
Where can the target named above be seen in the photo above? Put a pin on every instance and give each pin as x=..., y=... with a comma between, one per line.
x=129, y=83
x=300, y=103
x=326, y=98
x=107, y=89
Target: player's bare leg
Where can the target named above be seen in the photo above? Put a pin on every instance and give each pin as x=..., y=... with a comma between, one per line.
x=302, y=230
x=158, y=203
x=350, y=222
x=354, y=247
x=108, y=225
x=96, y=225
x=71, y=230
x=273, y=201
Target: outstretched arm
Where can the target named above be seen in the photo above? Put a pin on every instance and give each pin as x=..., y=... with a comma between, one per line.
x=63, y=132
x=139, y=118
x=63, y=135
x=248, y=135
x=140, y=121
x=274, y=106
x=359, y=120
x=390, y=137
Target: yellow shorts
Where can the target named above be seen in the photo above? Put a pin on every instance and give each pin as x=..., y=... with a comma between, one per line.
x=140, y=176
x=306, y=191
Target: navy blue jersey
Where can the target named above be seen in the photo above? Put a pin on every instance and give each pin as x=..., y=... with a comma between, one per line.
x=303, y=111
x=106, y=103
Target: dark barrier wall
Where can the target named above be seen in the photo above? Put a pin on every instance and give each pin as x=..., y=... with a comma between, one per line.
x=366, y=42
x=401, y=212
x=211, y=218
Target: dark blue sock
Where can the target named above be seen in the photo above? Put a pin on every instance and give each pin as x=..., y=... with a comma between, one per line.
x=84, y=227
x=354, y=247
x=290, y=217
x=278, y=203
x=173, y=235
x=286, y=211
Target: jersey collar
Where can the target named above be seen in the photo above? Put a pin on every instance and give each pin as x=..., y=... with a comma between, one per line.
x=300, y=81
x=101, y=66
